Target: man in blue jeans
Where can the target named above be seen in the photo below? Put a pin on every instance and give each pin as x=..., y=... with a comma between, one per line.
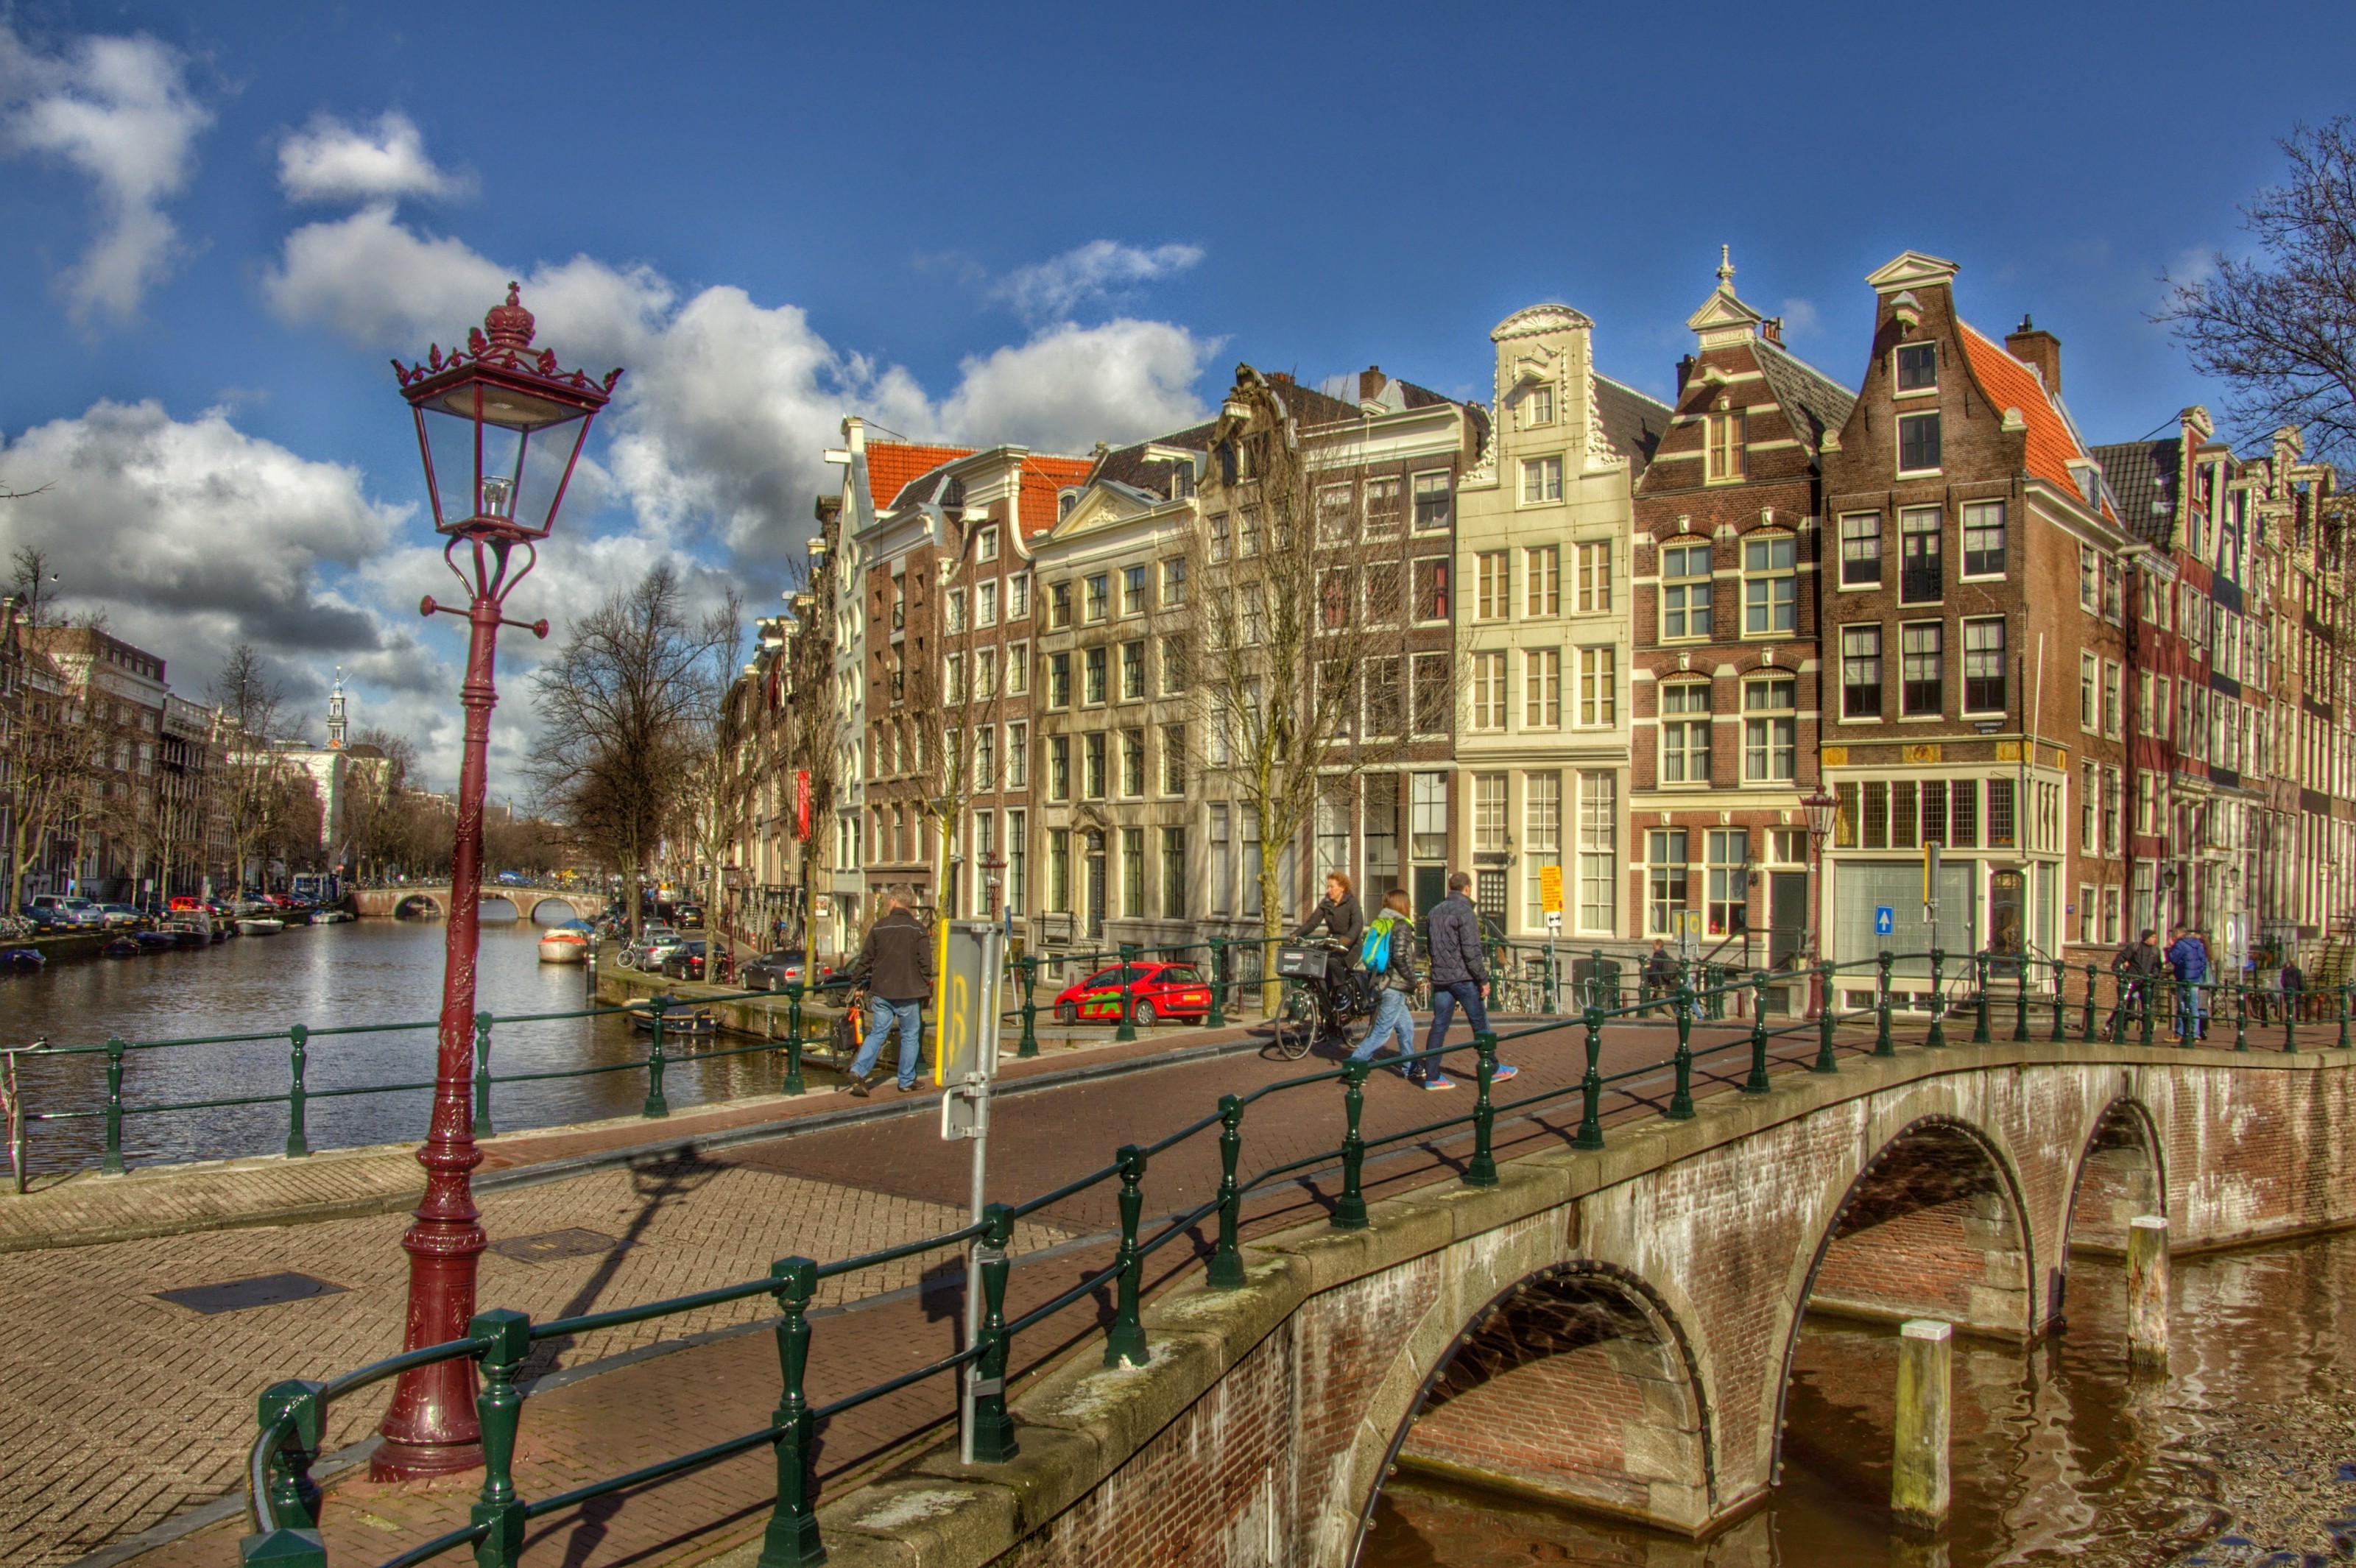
x=1459, y=973
x=895, y=965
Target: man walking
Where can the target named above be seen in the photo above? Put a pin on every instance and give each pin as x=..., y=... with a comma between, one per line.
x=1459, y=973
x=1660, y=973
x=2188, y=958
x=895, y=966
x=2134, y=966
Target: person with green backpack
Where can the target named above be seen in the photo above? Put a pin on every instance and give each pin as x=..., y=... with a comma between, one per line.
x=1387, y=952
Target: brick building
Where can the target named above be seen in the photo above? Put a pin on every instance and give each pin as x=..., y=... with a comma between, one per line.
x=1727, y=551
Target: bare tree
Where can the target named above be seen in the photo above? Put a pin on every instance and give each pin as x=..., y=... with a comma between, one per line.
x=49, y=747
x=713, y=799
x=252, y=795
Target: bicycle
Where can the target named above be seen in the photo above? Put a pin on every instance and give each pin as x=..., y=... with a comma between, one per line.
x=1321, y=997
x=16, y=928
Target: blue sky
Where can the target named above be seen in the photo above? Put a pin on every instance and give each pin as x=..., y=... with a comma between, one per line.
x=1044, y=224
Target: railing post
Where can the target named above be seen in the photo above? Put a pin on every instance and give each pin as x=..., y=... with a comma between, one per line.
x=2241, y=1017
x=298, y=1144
x=1757, y=1083
x=1125, y=1340
x=1882, y=1044
x=292, y=1496
x=2342, y=1045
x=993, y=1428
x=2150, y=991
x=1029, y=1044
x=1681, y=1105
x=2061, y=1001
x=2118, y=1006
x=1228, y=1258
x=110, y=1162
x=2087, y=1032
x=1350, y=1212
x=656, y=1104
x=505, y=1339
x=795, y=1082
x=1937, y=1037
x=1128, y=1029
x=1483, y=1170
x=1218, y=1018
x=1824, y=1020
x=1980, y=1027
x=482, y=1075
x=1590, y=1085
x=792, y=1539
x=2020, y=1000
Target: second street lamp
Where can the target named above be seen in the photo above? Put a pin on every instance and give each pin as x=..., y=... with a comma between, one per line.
x=1823, y=808
x=500, y=427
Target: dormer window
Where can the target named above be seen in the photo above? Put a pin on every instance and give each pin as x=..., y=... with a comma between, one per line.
x=1538, y=407
x=1726, y=435
x=1918, y=366
x=1918, y=443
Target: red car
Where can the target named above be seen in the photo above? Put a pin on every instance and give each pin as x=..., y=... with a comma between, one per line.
x=1156, y=991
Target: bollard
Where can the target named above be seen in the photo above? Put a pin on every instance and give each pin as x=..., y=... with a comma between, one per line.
x=505, y=1339
x=795, y=1082
x=483, y=1075
x=993, y=1427
x=1757, y=1083
x=2147, y=1291
x=1128, y=1029
x=1882, y=1045
x=1228, y=1258
x=1483, y=1170
x=791, y=1541
x=298, y=1145
x=1218, y=1018
x=1028, y=1045
x=1980, y=1027
x=2060, y=1002
x=1681, y=1105
x=1591, y=1086
x=110, y=1162
x=2020, y=998
x=2087, y=1030
x=1937, y=1039
x=656, y=1104
x=1350, y=1211
x=1918, y=1476
x=1125, y=1340
x=1824, y=1020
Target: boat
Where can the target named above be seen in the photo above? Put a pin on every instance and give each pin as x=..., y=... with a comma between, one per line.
x=258, y=925
x=155, y=941
x=560, y=946
x=22, y=957
x=330, y=916
x=121, y=947
x=677, y=1022
x=188, y=930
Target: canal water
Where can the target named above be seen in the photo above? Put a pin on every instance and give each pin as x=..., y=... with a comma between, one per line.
x=2242, y=1454
x=364, y=971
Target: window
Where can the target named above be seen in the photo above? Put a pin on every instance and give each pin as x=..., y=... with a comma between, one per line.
x=1488, y=813
x=1922, y=659
x=1599, y=852
x=1541, y=479
x=1018, y=596
x=1918, y=366
x=1431, y=588
x=1018, y=858
x=1983, y=690
x=1665, y=858
x=1059, y=604
x=1059, y=767
x=1934, y=813
x=1685, y=592
x=2147, y=704
x=1097, y=597
x=1384, y=711
x=2114, y=720
x=1999, y=814
x=1542, y=580
x=1599, y=688
x=1018, y=756
x=1427, y=815
x=1431, y=694
x=1379, y=826
x=985, y=603
x=1173, y=759
x=1538, y=407
x=1092, y=767
x=1433, y=506
x=1173, y=873
x=2114, y=590
x=1333, y=514
x=985, y=673
x=1059, y=870
x=2090, y=577
x=1769, y=588
x=1092, y=686
x=1592, y=578
x=1251, y=531
x=985, y=544
x=2089, y=679
x=1770, y=730
x=1921, y=576
x=1059, y=680
x=1489, y=583
x=1489, y=691
x=1132, y=763
x=1132, y=671
x=1541, y=688
x=1132, y=872
x=1174, y=581
x=1334, y=591
x=1861, y=550
x=1684, y=733
x=1385, y=579
x=985, y=758
x=1730, y=881
x=957, y=610
x=1132, y=590
x=1983, y=539
x=1173, y=666
x=1223, y=865
x=1541, y=840
x=953, y=678
x=1725, y=459
x=1860, y=649
x=1221, y=545
x=1382, y=509
x=1875, y=811
x=1017, y=669
x=1918, y=443
x=2090, y=805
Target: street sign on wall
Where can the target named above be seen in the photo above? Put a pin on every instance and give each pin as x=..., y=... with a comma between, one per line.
x=1885, y=920
x=1550, y=888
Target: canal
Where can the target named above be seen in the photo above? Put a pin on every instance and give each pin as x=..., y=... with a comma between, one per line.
x=365, y=972
x=2240, y=1454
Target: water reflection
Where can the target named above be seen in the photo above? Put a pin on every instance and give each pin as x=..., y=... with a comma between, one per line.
x=2235, y=1455
x=371, y=972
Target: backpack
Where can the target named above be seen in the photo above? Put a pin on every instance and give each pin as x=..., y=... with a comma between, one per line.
x=1375, y=947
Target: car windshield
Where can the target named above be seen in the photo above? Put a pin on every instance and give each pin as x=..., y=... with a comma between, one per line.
x=782, y=955
x=1180, y=975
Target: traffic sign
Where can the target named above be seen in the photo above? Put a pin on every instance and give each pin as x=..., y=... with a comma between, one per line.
x=1550, y=888
x=967, y=1009
x=1884, y=920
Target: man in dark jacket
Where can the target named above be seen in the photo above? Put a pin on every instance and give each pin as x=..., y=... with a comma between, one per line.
x=1660, y=973
x=2188, y=956
x=2135, y=965
x=1459, y=973
x=896, y=967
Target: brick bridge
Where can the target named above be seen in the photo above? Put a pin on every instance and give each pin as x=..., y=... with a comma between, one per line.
x=430, y=900
x=1614, y=1329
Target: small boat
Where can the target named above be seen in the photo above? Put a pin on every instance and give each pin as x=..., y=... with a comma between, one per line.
x=564, y=947
x=330, y=916
x=121, y=947
x=155, y=941
x=188, y=930
x=677, y=1022
x=258, y=925
x=22, y=957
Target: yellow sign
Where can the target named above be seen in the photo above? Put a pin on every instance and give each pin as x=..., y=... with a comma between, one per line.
x=1550, y=888
x=1920, y=755
x=1836, y=756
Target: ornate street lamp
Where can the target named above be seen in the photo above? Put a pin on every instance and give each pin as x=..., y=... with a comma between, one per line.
x=500, y=427
x=1823, y=808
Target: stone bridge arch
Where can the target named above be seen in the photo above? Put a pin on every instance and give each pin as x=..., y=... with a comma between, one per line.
x=422, y=906
x=2122, y=1172
x=546, y=904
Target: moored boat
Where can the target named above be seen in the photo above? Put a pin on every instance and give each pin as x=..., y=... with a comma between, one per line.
x=564, y=947
x=692, y=1022
x=121, y=947
x=22, y=957
x=155, y=941
x=331, y=916
x=258, y=925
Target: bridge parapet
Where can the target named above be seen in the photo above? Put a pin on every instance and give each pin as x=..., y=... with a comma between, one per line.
x=430, y=900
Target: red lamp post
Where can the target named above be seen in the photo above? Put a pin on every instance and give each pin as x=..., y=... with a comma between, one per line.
x=1823, y=808
x=500, y=428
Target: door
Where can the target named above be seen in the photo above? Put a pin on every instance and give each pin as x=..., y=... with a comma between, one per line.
x=1787, y=918
x=1431, y=887
x=2007, y=901
x=1096, y=886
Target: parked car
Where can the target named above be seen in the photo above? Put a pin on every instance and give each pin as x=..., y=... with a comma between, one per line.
x=184, y=904
x=67, y=909
x=651, y=948
x=121, y=915
x=1155, y=990
x=775, y=971
x=685, y=961
x=689, y=916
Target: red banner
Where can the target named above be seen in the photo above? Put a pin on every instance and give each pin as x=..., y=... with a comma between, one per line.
x=801, y=804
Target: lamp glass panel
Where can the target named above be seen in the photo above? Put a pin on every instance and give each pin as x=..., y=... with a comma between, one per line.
x=527, y=445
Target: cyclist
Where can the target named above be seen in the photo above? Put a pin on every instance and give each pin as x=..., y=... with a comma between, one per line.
x=2136, y=964
x=1338, y=913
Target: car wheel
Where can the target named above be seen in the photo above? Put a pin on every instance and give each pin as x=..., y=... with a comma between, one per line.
x=1143, y=1013
x=1066, y=1013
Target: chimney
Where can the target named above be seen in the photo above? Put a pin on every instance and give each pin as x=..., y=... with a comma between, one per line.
x=1685, y=373
x=1282, y=377
x=2043, y=349
x=1772, y=329
x=1371, y=382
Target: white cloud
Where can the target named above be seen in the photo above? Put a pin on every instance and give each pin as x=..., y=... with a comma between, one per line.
x=1072, y=386
x=118, y=110
x=329, y=160
x=1053, y=290
x=1801, y=318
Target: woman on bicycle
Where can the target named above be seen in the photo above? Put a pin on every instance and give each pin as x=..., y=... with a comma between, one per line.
x=1338, y=912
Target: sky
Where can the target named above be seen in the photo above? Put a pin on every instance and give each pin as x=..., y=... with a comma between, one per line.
x=1048, y=225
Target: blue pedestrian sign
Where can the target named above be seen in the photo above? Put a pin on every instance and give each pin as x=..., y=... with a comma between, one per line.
x=1884, y=922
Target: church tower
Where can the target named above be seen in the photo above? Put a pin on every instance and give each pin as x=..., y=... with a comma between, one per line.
x=336, y=713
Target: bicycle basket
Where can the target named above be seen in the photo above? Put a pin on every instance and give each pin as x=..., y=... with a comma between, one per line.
x=1301, y=963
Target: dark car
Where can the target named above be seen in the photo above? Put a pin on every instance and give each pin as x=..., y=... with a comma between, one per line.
x=774, y=971
x=686, y=961
x=1156, y=991
x=688, y=915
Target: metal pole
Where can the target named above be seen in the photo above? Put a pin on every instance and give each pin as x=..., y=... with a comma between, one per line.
x=977, y=1089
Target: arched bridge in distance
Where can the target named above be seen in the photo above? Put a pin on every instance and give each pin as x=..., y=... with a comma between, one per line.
x=430, y=900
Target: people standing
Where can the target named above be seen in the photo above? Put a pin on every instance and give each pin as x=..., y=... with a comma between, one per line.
x=2294, y=990
x=2188, y=960
x=1391, y=939
x=2136, y=964
x=896, y=967
x=1460, y=972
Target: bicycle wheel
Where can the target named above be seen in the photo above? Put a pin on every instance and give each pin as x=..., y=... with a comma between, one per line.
x=1299, y=1021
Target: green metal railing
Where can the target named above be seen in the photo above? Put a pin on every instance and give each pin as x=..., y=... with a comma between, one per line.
x=292, y=1414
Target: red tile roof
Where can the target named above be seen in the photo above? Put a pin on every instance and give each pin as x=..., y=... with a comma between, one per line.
x=1042, y=477
x=2010, y=384
x=892, y=464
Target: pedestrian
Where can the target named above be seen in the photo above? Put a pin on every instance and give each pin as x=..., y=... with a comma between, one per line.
x=2188, y=960
x=1388, y=948
x=895, y=967
x=2294, y=988
x=1660, y=972
x=1459, y=973
x=2134, y=966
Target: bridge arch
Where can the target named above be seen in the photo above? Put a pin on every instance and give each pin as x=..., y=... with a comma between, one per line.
x=542, y=910
x=488, y=904
x=2121, y=1172
x=420, y=906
